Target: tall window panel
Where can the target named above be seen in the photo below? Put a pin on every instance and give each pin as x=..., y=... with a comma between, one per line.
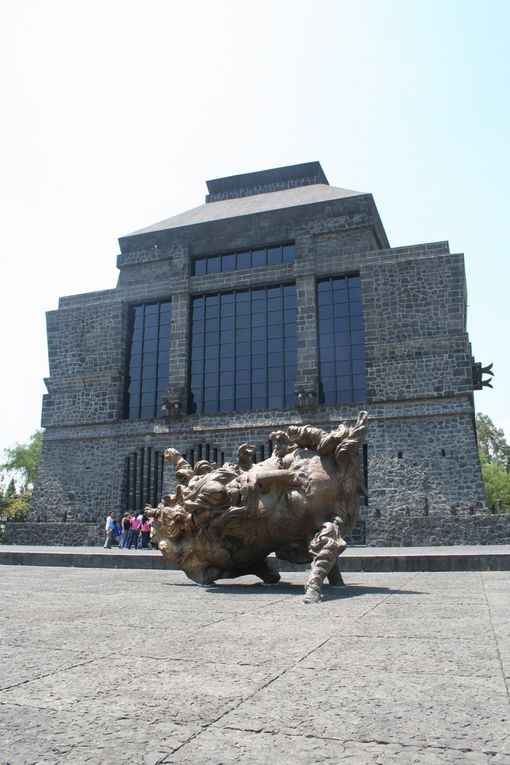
x=243, y=350
x=148, y=362
x=341, y=340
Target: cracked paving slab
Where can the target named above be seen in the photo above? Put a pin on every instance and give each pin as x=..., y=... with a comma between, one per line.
x=231, y=747
x=146, y=668
x=419, y=709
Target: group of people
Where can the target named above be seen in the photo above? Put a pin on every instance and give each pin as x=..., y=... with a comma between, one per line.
x=132, y=531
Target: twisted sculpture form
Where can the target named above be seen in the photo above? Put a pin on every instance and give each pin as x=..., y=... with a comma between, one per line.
x=222, y=522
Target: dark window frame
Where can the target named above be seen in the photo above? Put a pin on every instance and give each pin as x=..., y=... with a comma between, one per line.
x=243, y=259
x=237, y=360
x=341, y=340
x=147, y=370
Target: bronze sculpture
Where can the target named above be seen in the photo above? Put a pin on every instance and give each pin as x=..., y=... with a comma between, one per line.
x=222, y=522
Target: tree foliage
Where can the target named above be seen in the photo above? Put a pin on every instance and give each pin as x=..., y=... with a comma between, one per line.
x=23, y=461
x=495, y=460
x=497, y=486
x=491, y=442
x=14, y=507
x=19, y=470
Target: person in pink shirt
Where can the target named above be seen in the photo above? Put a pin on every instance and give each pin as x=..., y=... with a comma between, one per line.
x=145, y=529
x=136, y=524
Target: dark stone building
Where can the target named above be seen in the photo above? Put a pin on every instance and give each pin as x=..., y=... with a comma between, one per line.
x=278, y=301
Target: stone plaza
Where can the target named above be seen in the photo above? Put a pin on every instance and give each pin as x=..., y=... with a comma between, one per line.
x=144, y=667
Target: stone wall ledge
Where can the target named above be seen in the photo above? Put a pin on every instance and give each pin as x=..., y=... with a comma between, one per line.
x=435, y=530
x=360, y=559
x=52, y=534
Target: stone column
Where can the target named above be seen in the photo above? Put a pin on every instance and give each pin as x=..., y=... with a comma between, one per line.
x=177, y=397
x=307, y=347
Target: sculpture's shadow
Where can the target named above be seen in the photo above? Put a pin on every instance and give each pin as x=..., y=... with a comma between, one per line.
x=230, y=587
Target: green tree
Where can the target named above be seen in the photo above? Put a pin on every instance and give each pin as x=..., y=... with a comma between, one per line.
x=19, y=468
x=16, y=509
x=491, y=442
x=23, y=461
x=495, y=460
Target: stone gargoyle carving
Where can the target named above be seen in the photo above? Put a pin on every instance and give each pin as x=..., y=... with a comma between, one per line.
x=222, y=522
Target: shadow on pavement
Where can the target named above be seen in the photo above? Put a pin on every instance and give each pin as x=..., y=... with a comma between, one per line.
x=290, y=588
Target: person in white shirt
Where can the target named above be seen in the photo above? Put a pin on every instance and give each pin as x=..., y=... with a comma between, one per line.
x=109, y=531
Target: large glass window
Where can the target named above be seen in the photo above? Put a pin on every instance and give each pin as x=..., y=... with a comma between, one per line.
x=243, y=350
x=148, y=361
x=341, y=340
x=235, y=261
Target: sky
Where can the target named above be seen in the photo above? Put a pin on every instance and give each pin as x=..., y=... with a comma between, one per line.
x=115, y=113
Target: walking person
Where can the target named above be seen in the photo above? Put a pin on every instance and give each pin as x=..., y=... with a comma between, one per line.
x=109, y=526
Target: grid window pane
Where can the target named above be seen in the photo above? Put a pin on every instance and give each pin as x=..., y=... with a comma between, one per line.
x=228, y=262
x=200, y=267
x=227, y=310
x=259, y=376
x=275, y=331
x=257, y=258
x=227, y=364
x=258, y=334
x=149, y=386
x=264, y=351
x=341, y=340
x=274, y=256
x=148, y=362
x=243, y=260
x=150, y=358
x=289, y=253
x=211, y=365
x=214, y=265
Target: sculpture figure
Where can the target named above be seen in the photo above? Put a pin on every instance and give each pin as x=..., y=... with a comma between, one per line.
x=222, y=522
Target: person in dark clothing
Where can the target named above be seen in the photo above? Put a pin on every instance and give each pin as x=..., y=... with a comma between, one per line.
x=145, y=530
x=126, y=530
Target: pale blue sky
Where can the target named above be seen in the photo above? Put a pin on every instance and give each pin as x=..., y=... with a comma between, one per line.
x=116, y=112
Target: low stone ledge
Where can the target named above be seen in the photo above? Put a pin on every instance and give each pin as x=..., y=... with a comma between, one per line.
x=355, y=560
x=58, y=534
x=420, y=531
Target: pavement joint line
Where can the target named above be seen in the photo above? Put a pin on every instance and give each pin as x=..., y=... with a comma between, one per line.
x=506, y=679
x=248, y=697
x=415, y=672
x=378, y=741
x=226, y=618
x=386, y=597
x=277, y=676
x=57, y=671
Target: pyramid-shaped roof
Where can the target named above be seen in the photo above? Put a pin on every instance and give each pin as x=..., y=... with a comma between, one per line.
x=250, y=205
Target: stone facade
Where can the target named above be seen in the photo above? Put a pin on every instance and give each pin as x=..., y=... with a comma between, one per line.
x=421, y=455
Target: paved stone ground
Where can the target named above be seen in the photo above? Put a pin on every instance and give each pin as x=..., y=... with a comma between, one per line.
x=143, y=667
